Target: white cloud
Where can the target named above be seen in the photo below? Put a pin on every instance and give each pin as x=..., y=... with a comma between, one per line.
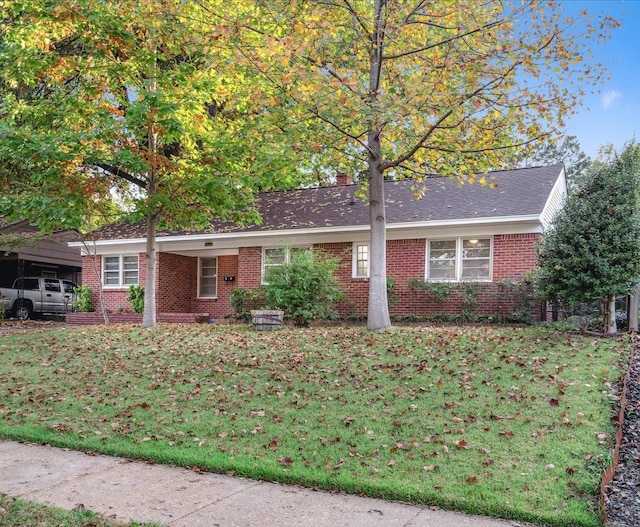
x=610, y=98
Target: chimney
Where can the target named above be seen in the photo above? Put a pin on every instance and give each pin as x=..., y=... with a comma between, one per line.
x=343, y=178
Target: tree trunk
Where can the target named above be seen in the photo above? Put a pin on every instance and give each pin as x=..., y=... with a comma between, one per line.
x=610, y=314
x=378, y=313
x=632, y=315
x=149, y=313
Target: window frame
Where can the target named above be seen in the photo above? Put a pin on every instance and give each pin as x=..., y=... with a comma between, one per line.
x=288, y=250
x=199, y=291
x=121, y=271
x=459, y=259
x=356, y=260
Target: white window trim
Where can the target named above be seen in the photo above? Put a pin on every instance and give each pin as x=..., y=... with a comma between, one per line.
x=207, y=297
x=287, y=257
x=354, y=260
x=458, y=269
x=121, y=284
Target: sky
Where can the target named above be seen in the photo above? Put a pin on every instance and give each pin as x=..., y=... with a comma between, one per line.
x=613, y=114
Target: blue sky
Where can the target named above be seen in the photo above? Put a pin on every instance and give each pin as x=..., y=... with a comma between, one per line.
x=613, y=114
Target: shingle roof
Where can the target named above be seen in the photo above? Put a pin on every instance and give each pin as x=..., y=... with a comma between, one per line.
x=520, y=192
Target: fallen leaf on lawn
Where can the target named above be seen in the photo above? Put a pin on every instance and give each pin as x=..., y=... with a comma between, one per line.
x=507, y=434
x=347, y=420
x=286, y=461
x=569, y=470
x=472, y=479
x=554, y=402
x=549, y=467
x=429, y=468
x=462, y=445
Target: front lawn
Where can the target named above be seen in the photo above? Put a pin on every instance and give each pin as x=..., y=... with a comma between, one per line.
x=511, y=422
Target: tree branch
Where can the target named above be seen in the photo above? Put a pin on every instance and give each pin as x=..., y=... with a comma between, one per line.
x=118, y=172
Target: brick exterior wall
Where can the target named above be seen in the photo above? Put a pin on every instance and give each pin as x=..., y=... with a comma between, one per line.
x=513, y=257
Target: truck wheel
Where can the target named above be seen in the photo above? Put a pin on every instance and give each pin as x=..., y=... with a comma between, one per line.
x=22, y=311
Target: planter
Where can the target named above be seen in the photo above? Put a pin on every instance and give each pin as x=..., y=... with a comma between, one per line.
x=266, y=319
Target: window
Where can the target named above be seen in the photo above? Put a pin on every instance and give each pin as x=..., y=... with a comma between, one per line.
x=120, y=270
x=68, y=286
x=459, y=259
x=360, y=260
x=277, y=256
x=51, y=284
x=208, y=278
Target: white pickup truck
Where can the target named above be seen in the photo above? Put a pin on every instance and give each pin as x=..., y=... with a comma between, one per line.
x=43, y=296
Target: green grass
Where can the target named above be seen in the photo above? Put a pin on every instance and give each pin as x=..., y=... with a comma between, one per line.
x=510, y=422
x=15, y=512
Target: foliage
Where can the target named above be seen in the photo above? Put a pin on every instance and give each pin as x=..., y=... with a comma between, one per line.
x=305, y=288
x=591, y=251
x=138, y=100
x=470, y=296
x=3, y=313
x=440, y=291
x=84, y=299
x=135, y=295
x=243, y=300
x=418, y=88
x=566, y=151
x=15, y=511
x=392, y=295
x=441, y=416
x=516, y=300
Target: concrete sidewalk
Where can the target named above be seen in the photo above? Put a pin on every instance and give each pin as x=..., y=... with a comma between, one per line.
x=129, y=490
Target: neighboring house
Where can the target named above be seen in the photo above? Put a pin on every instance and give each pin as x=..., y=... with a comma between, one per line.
x=23, y=251
x=454, y=233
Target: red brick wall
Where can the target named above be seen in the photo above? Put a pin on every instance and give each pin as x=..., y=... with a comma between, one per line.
x=513, y=256
x=180, y=275
x=249, y=267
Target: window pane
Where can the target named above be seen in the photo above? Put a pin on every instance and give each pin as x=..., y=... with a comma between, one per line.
x=52, y=285
x=274, y=256
x=111, y=263
x=130, y=277
x=476, y=259
x=208, y=267
x=130, y=262
x=362, y=260
x=208, y=286
x=208, y=277
x=476, y=248
x=112, y=278
x=442, y=260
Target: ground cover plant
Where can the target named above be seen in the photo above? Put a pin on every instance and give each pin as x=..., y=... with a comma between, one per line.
x=511, y=422
x=26, y=514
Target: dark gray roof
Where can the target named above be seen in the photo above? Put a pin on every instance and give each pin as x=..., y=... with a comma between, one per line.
x=520, y=192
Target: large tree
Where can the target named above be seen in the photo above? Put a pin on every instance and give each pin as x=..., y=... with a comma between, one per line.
x=417, y=88
x=128, y=98
x=592, y=250
x=564, y=150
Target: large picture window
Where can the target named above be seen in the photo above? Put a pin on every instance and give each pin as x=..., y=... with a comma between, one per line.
x=208, y=278
x=120, y=270
x=459, y=259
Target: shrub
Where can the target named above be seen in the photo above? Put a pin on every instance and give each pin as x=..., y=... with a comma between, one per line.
x=84, y=299
x=135, y=295
x=243, y=300
x=305, y=288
